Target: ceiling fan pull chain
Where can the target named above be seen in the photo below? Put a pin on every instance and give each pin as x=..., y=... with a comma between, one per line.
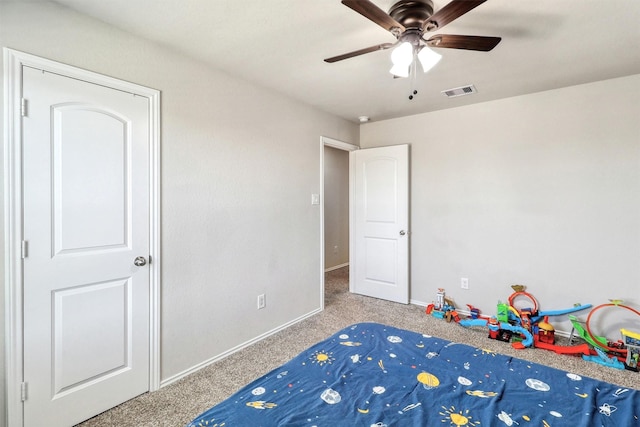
x=412, y=77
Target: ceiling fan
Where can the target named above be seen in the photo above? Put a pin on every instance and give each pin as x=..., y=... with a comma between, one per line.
x=408, y=21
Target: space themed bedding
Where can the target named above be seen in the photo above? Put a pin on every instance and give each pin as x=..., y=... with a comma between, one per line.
x=373, y=375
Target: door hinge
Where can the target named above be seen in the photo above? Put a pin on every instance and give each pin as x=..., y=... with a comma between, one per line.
x=24, y=249
x=23, y=391
x=24, y=107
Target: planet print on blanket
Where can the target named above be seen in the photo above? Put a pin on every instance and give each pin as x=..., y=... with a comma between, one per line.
x=258, y=391
x=537, y=384
x=464, y=381
x=428, y=380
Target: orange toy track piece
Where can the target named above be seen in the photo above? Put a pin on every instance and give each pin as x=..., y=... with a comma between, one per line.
x=514, y=295
x=616, y=303
x=561, y=349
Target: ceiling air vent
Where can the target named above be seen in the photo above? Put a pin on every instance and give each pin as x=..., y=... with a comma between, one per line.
x=459, y=91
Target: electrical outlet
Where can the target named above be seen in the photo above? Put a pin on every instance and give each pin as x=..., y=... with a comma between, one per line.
x=464, y=283
x=262, y=301
x=335, y=249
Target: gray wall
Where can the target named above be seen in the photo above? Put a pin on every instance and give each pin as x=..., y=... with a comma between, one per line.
x=229, y=203
x=541, y=190
x=336, y=207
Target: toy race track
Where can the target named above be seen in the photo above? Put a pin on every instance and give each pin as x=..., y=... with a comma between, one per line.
x=530, y=328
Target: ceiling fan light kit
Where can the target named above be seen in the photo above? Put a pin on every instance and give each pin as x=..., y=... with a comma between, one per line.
x=408, y=21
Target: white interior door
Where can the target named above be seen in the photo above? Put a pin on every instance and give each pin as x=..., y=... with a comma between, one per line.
x=86, y=218
x=381, y=220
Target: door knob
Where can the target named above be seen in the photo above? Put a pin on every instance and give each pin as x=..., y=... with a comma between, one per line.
x=402, y=232
x=139, y=261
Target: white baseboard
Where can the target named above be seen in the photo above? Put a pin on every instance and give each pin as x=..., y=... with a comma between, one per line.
x=335, y=267
x=418, y=303
x=239, y=347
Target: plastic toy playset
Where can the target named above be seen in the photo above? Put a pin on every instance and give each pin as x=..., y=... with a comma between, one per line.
x=528, y=327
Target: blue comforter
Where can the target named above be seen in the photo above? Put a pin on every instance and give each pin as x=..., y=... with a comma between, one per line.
x=374, y=375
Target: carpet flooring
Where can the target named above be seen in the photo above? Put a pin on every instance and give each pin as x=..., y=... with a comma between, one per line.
x=180, y=402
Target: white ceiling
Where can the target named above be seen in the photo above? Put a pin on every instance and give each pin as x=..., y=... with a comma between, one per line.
x=281, y=44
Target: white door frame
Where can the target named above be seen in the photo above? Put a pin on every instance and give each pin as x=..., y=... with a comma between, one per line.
x=345, y=146
x=13, y=62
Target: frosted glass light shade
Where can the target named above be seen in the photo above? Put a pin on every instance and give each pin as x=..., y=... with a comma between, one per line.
x=428, y=58
x=402, y=57
x=403, y=54
x=400, y=70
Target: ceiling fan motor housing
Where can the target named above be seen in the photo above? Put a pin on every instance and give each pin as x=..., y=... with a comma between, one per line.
x=412, y=13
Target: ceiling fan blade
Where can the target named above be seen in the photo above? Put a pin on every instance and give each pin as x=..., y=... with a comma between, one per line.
x=373, y=13
x=451, y=11
x=382, y=46
x=451, y=41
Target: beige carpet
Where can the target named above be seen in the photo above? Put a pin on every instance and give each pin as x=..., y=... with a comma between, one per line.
x=180, y=402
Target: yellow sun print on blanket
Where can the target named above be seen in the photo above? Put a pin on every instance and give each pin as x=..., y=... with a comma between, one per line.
x=457, y=418
x=322, y=357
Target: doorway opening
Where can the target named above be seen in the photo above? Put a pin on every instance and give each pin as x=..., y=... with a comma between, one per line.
x=335, y=210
